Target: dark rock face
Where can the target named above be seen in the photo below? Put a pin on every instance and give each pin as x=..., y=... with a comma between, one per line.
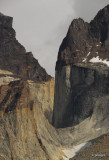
x=80, y=80
x=13, y=56
x=78, y=93
x=83, y=37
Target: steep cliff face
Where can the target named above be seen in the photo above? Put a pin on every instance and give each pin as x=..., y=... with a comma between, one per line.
x=43, y=94
x=82, y=72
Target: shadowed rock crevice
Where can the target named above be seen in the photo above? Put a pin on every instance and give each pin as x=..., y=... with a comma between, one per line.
x=12, y=93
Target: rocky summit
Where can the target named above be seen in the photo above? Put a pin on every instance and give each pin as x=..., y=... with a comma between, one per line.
x=85, y=40
x=73, y=122
x=13, y=56
x=82, y=72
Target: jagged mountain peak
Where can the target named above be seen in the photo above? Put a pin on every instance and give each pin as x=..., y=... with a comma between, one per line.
x=77, y=21
x=6, y=21
x=13, y=56
x=103, y=13
x=99, y=26
x=85, y=41
x=4, y=15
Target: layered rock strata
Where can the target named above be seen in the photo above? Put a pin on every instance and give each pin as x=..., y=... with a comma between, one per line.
x=43, y=94
x=25, y=133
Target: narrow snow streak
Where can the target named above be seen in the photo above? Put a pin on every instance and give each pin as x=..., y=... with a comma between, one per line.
x=88, y=54
x=85, y=59
x=70, y=153
x=98, y=60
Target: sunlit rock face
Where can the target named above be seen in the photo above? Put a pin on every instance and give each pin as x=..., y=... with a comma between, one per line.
x=25, y=133
x=82, y=71
x=43, y=94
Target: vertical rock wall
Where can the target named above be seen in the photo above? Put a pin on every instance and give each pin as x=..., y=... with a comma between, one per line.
x=82, y=70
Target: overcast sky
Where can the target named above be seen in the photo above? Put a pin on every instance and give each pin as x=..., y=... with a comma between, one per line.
x=42, y=24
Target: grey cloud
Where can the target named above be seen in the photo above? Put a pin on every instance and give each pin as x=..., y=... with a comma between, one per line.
x=87, y=9
x=41, y=25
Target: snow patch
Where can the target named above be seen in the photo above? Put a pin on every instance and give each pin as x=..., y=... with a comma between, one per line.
x=70, y=153
x=98, y=129
x=98, y=60
x=88, y=54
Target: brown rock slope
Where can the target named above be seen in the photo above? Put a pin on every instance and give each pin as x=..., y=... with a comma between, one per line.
x=43, y=93
x=99, y=150
x=25, y=133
